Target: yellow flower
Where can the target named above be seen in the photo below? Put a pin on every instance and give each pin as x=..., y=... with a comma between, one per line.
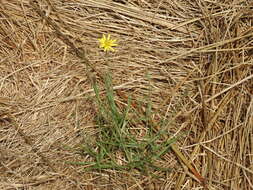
x=107, y=43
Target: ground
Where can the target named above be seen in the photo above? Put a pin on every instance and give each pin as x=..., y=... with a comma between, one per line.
x=181, y=87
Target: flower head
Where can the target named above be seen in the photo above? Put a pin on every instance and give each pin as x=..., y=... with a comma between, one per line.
x=106, y=43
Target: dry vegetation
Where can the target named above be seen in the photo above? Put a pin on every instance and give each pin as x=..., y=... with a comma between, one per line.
x=193, y=59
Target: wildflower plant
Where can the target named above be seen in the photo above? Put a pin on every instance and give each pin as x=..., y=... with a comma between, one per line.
x=107, y=43
x=116, y=147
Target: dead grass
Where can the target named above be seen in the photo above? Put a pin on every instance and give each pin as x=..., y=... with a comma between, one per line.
x=195, y=56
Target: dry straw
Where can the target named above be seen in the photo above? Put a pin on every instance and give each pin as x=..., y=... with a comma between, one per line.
x=192, y=59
